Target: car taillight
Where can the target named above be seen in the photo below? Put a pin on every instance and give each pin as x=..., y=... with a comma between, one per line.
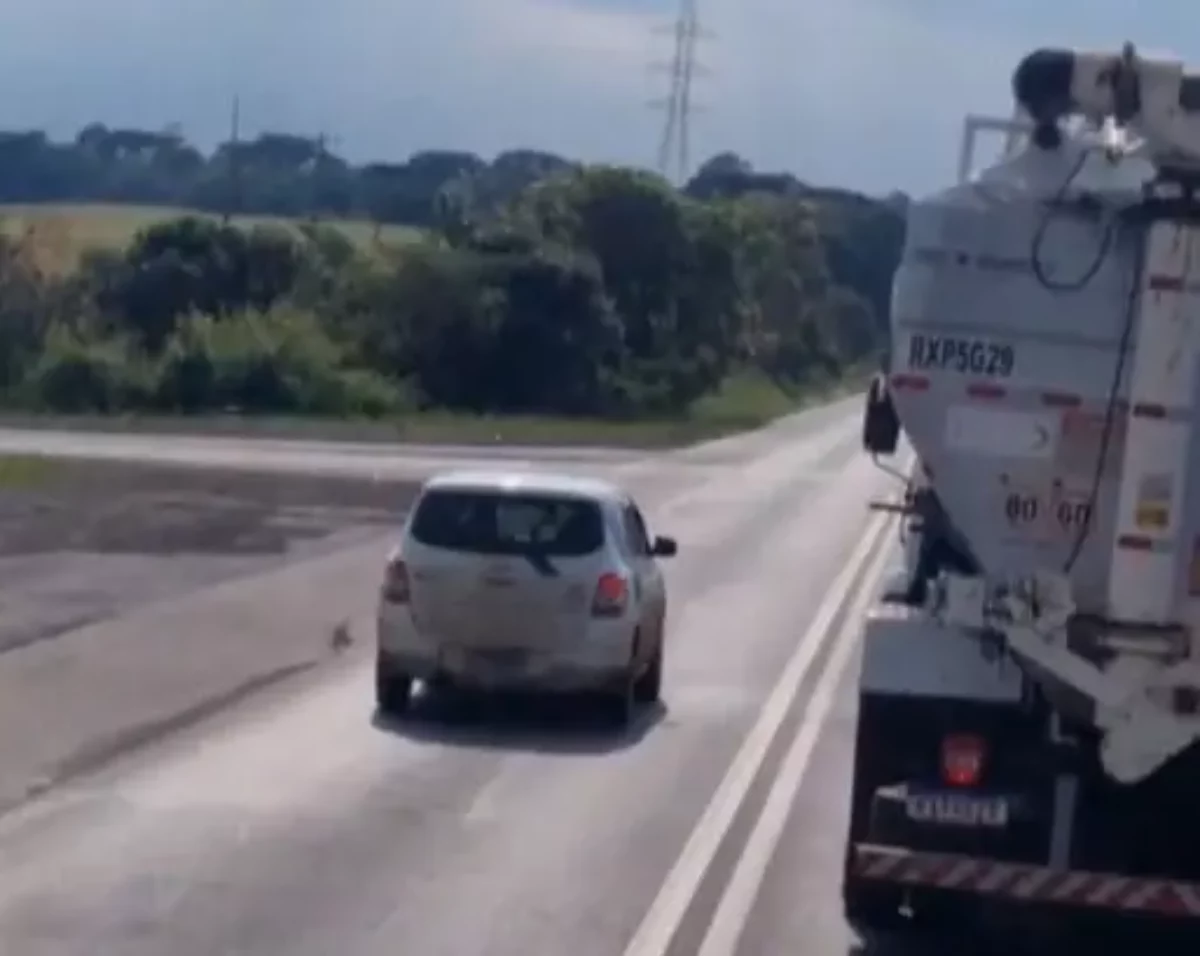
x=962, y=759
x=612, y=594
x=395, y=582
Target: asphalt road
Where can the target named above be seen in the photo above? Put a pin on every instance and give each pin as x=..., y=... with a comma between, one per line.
x=296, y=824
x=399, y=460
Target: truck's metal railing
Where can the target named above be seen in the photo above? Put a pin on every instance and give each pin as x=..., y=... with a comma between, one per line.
x=1014, y=128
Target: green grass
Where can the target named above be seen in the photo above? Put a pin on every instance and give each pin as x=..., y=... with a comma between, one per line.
x=63, y=232
x=746, y=402
x=26, y=472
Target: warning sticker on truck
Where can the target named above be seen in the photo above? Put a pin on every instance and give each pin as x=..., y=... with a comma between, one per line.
x=1083, y=438
x=1001, y=433
x=1153, y=503
x=964, y=355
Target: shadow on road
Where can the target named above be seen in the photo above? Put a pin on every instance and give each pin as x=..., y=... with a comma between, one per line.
x=541, y=724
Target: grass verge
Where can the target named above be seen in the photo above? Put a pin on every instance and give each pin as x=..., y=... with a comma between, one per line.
x=27, y=472
x=62, y=232
x=745, y=403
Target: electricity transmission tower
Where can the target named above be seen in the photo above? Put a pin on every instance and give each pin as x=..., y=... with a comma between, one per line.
x=674, y=151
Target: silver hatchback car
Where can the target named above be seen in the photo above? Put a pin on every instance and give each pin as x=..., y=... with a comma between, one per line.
x=524, y=580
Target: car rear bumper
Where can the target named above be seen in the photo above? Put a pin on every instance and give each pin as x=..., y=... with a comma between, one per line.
x=594, y=660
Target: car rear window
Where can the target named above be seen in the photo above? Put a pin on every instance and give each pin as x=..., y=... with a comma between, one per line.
x=482, y=522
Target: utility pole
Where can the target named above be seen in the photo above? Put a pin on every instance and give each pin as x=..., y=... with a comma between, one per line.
x=234, y=199
x=674, y=151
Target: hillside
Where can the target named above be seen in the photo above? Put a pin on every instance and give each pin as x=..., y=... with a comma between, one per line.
x=448, y=285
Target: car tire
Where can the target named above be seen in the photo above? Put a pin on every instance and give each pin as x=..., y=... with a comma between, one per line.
x=647, y=689
x=620, y=702
x=393, y=690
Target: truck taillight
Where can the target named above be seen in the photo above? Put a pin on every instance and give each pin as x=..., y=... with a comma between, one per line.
x=962, y=759
x=611, y=597
x=395, y=588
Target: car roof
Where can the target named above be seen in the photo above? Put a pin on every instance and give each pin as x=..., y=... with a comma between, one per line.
x=528, y=482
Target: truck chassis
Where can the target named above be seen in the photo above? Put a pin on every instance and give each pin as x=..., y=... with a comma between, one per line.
x=1021, y=814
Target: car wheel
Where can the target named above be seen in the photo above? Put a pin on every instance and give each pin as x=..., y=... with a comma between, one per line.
x=647, y=689
x=619, y=703
x=393, y=690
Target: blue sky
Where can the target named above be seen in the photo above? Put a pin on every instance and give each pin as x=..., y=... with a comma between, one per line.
x=861, y=93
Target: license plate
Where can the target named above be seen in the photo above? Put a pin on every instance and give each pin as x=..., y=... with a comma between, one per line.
x=958, y=809
x=501, y=660
x=504, y=655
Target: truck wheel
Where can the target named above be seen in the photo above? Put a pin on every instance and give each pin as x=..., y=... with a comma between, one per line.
x=869, y=906
x=873, y=910
x=393, y=690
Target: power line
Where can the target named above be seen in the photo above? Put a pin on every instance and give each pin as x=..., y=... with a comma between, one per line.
x=674, y=151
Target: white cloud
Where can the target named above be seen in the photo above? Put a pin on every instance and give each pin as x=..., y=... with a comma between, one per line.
x=852, y=89
x=554, y=73
x=582, y=39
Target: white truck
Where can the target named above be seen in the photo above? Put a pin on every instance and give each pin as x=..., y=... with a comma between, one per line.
x=1030, y=695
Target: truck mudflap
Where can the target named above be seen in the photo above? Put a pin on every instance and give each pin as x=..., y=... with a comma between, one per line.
x=1026, y=883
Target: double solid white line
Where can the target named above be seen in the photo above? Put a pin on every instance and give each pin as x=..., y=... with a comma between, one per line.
x=653, y=937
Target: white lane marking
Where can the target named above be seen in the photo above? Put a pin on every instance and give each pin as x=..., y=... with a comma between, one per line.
x=654, y=935
x=483, y=808
x=739, y=897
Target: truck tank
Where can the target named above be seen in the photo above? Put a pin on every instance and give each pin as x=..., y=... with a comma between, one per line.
x=1046, y=371
x=1012, y=334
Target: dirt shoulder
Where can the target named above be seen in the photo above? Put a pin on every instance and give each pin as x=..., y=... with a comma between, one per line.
x=139, y=599
x=81, y=541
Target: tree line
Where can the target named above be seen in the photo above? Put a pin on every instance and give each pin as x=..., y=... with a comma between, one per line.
x=539, y=286
x=275, y=173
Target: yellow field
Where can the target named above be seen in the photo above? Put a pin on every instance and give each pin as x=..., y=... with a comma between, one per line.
x=62, y=232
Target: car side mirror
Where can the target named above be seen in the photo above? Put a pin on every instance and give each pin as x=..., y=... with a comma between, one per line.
x=664, y=548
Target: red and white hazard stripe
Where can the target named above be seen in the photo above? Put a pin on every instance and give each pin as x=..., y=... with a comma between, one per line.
x=1027, y=883
x=990, y=392
x=987, y=391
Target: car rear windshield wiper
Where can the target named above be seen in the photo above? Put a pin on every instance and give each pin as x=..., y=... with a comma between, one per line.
x=540, y=561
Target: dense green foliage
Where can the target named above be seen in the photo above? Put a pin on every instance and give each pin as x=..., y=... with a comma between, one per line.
x=542, y=286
